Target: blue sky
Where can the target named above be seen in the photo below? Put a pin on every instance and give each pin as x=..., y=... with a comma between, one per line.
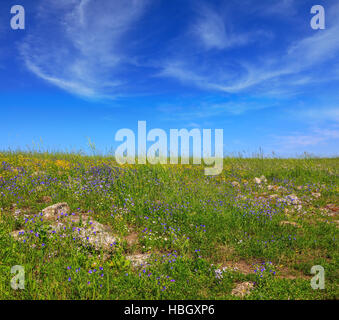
x=85, y=69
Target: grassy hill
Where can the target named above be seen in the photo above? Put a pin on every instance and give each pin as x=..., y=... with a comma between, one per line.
x=167, y=232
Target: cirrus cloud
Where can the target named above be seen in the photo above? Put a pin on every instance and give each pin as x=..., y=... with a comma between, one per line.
x=81, y=51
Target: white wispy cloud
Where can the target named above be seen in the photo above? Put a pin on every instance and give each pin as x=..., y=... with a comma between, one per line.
x=211, y=30
x=280, y=7
x=320, y=114
x=297, y=140
x=208, y=109
x=84, y=51
x=80, y=51
x=295, y=66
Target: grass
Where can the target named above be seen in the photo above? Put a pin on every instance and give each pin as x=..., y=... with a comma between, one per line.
x=202, y=235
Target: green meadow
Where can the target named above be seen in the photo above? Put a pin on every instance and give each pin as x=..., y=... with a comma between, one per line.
x=167, y=231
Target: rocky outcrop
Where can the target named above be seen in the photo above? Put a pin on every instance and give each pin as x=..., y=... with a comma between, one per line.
x=243, y=289
x=80, y=226
x=52, y=212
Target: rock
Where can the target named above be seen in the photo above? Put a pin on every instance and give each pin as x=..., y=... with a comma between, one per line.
x=38, y=173
x=291, y=199
x=98, y=239
x=316, y=194
x=92, y=233
x=138, y=260
x=18, y=213
x=242, y=289
x=263, y=179
x=257, y=180
x=17, y=233
x=89, y=233
x=52, y=212
x=299, y=207
x=260, y=180
x=294, y=224
x=46, y=199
